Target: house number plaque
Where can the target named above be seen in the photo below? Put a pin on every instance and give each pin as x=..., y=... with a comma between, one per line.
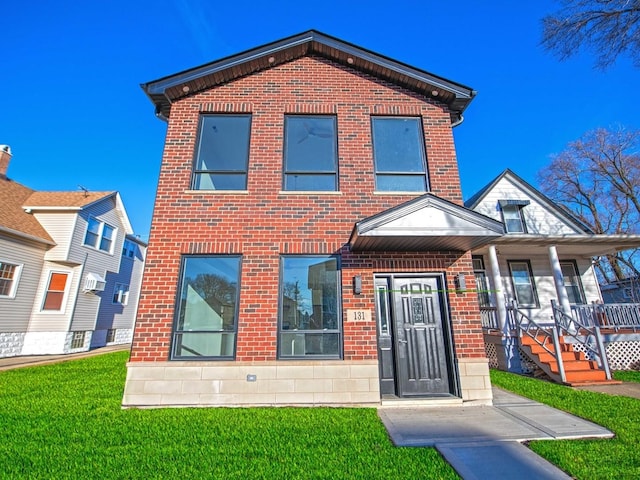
x=358, y=315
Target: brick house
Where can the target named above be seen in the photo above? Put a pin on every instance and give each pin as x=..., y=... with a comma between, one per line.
x=309, y=244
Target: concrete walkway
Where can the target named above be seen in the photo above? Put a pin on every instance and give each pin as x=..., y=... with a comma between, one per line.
x=484, y=442
x=9, y=363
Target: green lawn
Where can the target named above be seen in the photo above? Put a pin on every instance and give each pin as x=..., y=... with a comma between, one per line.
x=65, y=421
x=617, y=458
x=627, y=376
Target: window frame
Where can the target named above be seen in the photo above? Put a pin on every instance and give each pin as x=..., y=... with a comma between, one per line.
x=128, y=249
x=515, y=209
x=176, y=331
x=13, y=281
x=47, y=291
x=77, y=336
x=576, y=274
x=339, y=330
x=286, y=171
x=422, y=153
x=532, y=283
x=99, y=236
x=196, y=172
x=480, y=273
x=120, y=294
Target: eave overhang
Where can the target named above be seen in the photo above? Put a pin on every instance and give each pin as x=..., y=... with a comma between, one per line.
x=586, y=245
x=427, y=223
x=164, y=91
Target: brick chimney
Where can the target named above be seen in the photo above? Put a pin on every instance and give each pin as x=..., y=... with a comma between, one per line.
x=5, y=157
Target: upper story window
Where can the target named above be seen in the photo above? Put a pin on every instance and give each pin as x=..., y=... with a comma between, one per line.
x=399, y=154
x=512, y=215
x=222, y=153
x=100, y=235
x=310, y=153
x=54, y=296
x=128, y=249
x=9, y=274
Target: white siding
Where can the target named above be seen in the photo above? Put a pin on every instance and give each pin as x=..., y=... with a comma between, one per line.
x=59, y=226
x=48, y=321
x=544, y=283
x=538, y=218
x=15, y=312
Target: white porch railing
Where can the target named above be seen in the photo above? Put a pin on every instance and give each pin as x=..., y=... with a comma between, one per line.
x=489, y=317
x=608, y=315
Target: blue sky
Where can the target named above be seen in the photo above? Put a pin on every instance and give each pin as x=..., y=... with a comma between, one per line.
x=73, y=112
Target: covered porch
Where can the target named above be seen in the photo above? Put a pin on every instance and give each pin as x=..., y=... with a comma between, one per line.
x=540, y=294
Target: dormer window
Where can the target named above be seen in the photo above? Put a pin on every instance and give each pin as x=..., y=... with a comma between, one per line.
x=512, y=216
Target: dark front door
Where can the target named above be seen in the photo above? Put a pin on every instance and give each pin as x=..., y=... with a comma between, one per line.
x=413, y=352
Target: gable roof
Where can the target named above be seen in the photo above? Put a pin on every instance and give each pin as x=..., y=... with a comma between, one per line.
x=425, y=223
x=13, y=219
x=531, y=192
x=63, y=200
x=169, y=89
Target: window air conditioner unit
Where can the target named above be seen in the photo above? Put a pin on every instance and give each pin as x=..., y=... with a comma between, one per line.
x=94, y=283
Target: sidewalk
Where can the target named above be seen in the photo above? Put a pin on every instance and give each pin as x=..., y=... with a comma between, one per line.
x=484, y=442
x=10, y=363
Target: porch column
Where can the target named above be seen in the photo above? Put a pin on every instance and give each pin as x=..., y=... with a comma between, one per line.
x=558, y=279
x=501, y=309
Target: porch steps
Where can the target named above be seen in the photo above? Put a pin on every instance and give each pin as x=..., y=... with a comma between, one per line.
x=578, y=370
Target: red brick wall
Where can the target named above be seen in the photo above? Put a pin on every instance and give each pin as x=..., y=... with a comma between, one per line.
x=264, y=223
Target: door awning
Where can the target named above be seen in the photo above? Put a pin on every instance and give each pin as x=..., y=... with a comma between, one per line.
x=426, y=223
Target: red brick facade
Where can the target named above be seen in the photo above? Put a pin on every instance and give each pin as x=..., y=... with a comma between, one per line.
x=265, y=223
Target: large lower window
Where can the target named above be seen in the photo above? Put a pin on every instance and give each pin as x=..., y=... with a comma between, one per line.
x=54, y=296
x=399, y=154
x=310, y=153
x=99, y=235
x=9, y=279
x=572, y=282
x=222, y=154
x=523, y=285
x=310, y=319
x=207, y=308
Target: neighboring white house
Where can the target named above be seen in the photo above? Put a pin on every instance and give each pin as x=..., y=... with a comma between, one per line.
x=545, y=254
x=70, y=269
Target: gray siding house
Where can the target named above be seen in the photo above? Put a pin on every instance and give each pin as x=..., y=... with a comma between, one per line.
x=70, y=269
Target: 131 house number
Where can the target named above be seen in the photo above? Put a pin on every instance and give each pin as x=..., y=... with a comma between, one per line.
x=358, y=315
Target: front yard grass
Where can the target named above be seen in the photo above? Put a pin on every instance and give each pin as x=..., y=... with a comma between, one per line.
x=627, y=375
x=64, y=421
x=617, y=458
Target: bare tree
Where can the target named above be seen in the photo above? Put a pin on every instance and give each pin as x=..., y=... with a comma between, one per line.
x=597, y=178
x=609, y=28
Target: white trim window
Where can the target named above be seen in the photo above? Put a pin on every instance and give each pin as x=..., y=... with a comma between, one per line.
x=9, y=276
x=100, y=235
x=121, y=294
x=128, y=249
x=523, y=284
x=54, y=297
x=512, y=215
x=572, y=282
